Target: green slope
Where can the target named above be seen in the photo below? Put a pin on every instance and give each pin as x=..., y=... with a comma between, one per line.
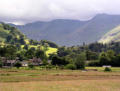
x=11, y=35
x=113, y=35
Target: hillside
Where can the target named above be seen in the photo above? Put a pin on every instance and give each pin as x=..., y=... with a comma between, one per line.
x=113, y=35
x=71, y=32
x=11, y=35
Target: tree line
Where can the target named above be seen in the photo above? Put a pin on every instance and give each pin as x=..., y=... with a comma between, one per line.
x=75, y=57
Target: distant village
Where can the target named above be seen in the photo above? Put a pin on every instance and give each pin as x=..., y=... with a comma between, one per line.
x=24, y=63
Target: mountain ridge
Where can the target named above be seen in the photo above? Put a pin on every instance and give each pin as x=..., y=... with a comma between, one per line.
x=71, y=32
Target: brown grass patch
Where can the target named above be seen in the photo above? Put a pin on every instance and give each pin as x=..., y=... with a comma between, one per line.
x=58, y=80
x=72, y=85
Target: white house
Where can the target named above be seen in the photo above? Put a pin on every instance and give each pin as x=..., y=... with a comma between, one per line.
x=24, y=64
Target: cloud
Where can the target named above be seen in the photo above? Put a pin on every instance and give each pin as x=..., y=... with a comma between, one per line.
x=24, y=11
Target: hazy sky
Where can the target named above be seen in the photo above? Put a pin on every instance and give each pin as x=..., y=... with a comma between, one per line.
x=24, y=11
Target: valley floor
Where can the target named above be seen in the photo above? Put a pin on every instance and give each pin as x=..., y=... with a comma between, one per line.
x=72, y=85
x=59, y=80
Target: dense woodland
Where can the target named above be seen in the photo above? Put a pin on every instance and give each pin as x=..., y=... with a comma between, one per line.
x=74, y=57
x=95, y=54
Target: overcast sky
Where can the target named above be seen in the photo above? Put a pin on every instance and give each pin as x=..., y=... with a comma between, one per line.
x=24, y=11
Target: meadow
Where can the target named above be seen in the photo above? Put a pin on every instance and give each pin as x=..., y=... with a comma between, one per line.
x=59, y=80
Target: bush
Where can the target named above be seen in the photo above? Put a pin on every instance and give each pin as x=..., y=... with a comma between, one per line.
x=61, y=67
x=94, y=63
x=18, y=65
x=59, y=61
x=107, y=69
x=45, y=62
x=49, y=66
x=70, y=66
x=31, y=66
x=80, y=61
x=1, y=64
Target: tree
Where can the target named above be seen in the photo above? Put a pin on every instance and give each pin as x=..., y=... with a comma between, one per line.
x=10, y=52
x=31, y=66
x=51, y=56
x=9, y=38
x=21, y=55
x=41, y=54
x=70, y=66
x=26, y=47
x=62, y=51
x=93, y=63
x=46, y=47
x=51, y=44
x=104, y=59
x=22, y=41
x=2, y=51
x=7, y=26
x=55, y=60
x=111, y=55
x=59, y=61
x=80, y=61
x=18, y=46
x=1, y=63
x=116, y=62
x=30, y=54
x=91, y=55
x=31, y=41
x=18, y=65
x=45, y=62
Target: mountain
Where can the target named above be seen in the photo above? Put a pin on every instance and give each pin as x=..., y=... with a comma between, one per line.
x=113, y=35
x=71, y=32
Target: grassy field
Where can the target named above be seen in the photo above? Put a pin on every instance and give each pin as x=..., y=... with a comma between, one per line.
x=59, y=80
x=112, y=35
x=51, y=51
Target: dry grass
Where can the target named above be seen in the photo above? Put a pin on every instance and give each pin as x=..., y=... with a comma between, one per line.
x=58, y=80
x=72, y=85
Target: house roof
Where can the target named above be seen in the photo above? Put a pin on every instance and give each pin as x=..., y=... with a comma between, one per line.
x=24, y=62
x=36, y=60
x=10, y=61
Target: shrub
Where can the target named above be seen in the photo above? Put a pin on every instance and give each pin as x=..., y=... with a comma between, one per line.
x=94, y=63
x=70, y=66
x=80, y=61
x=107, y=69
x=18, y=65
x=61, y=67
x=31, y=66
x=45, y=62
x=49, y=66
x=0, y=64
x=59, y=61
